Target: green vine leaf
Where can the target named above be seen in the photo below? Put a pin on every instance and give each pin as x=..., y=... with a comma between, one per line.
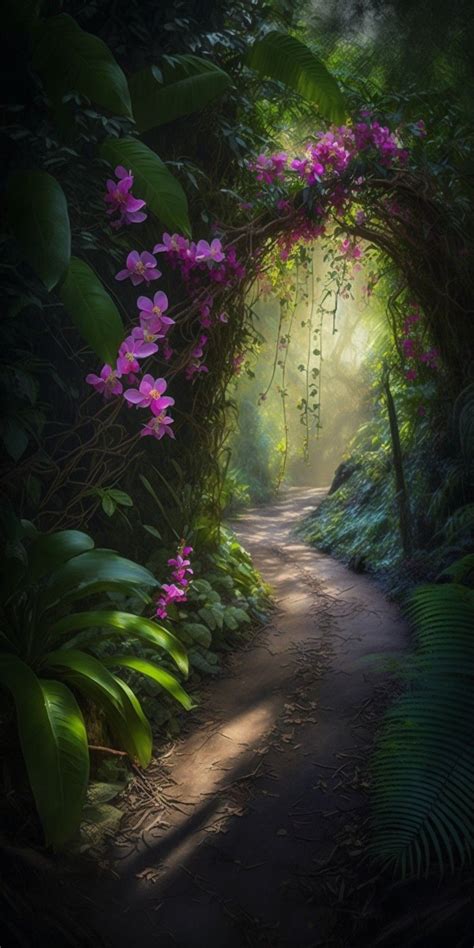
x=153, y=181
x=288, y=60
x=38, y=216
x=93, y=310
x=70, y=60
x=183, y=85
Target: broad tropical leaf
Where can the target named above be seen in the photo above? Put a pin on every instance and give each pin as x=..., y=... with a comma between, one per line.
x=48, y=551
x=38, y=216
x=70, y=60
x=93, y=310
x=286, y=59
x=184, y=84
x=128, y=624
x=136, y=733
x=154, y=183
x=54, y=746
x=162, y=677
x=122, y=709
x=92, y=572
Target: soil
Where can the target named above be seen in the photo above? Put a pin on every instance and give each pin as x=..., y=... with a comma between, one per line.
x=251, y=831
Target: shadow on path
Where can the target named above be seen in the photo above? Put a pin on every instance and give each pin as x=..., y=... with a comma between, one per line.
x=273, y=768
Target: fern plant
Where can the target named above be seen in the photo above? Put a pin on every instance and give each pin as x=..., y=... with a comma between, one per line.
x=424, y=762
x=48, y=665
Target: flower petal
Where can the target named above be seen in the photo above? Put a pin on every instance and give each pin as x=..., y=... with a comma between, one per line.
x=134, y=396
x=133, y=259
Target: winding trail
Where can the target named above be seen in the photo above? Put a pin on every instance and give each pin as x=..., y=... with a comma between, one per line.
x=270, y=782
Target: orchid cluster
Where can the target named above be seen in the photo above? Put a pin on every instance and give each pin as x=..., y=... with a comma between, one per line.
x=144, y=341
x=331, y=154
x=325, y=164
x=175, y=592
x=122, y=202
x=269, y=168
x=412, y=346
x=200, y=265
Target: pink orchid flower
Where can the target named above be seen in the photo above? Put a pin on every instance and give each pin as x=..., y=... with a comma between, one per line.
x=171, y=244
x=122, y=202
x=130, y=351
x=155, y=307
x=140, y=267
x=139, y=334
x=107, y=383
x=212, y=251
x=150, y=394
x=158, y=427
x=151, y=314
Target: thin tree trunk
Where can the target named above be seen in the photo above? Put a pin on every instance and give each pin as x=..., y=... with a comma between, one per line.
x=400, y=484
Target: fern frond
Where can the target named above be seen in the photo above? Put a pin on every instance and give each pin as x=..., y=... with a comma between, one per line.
x=424, y=762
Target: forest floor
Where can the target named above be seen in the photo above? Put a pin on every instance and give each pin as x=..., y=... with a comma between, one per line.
x=249, y=832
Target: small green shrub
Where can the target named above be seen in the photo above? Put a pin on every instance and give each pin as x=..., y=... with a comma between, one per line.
x=48, y=663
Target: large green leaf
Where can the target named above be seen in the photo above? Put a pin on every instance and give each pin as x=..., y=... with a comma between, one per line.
x=127, y=623
x=122, y=709
x=54, y=745
x=70, y=60
x=286, y=59
x=162, y=677
x=188, y=84
x=93, y=310
x=38, y=216
x=49, y=551
x=92, y=572
x=137, y=727
x=154, y=183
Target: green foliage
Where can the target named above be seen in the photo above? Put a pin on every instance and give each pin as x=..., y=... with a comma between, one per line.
x=38, y=216
x=70, y=60
x=424, y=763
x=93, y=310
x=288, y=60
x=182, y=85
x=42, y=574
x=153, y=181
x=225, y=599
x=53, y=741
x=235, y=492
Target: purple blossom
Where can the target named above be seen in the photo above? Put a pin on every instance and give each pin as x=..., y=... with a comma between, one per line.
x=151, y=314
x=171, y=244
x=195, y=365
x=170, y=593
x=140, y=267
x=107, y=383
x=130, y=351
x=150, y=394
x=408, y=348
x=139, y=334
x=158, y=426
x=212, y=251
x=122, y=201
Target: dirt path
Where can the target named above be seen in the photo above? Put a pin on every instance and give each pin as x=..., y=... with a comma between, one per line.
x=271, y=781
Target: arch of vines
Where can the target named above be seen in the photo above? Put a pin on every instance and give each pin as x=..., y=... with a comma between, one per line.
x=353, y=187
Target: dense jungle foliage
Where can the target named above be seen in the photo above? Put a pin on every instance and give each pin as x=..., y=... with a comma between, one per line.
x=236, y=257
